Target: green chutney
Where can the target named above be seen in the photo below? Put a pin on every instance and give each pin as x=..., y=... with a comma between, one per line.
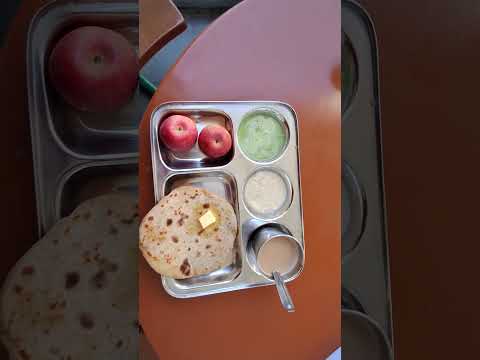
x=261, y=136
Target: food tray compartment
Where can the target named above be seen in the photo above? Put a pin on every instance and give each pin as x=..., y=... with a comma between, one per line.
x=95, y=179
x=218, y=182
x=195, y=158
x=223, y=185
x=80, y=134
x=228, y=181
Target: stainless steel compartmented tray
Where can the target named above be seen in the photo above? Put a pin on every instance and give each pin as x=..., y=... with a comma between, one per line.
x=227, y=179
x=66, y=142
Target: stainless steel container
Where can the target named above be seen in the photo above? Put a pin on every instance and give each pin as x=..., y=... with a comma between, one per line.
x=227, y=177
x=268, y=233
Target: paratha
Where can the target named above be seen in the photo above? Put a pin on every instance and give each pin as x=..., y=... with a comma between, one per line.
x=173, y=241
x=74, y=294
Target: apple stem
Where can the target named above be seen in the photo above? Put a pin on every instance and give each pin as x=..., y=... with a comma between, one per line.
x=97, y=59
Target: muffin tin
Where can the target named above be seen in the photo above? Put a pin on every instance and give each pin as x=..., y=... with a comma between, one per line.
x=78, y=155
x=226, y=177
x=366, y=302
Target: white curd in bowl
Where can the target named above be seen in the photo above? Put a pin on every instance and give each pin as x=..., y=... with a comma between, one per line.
x=266, y=193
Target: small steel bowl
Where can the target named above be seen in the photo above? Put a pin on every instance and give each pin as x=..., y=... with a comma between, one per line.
x=283, y=123
x=288, y=199
x=268, y=233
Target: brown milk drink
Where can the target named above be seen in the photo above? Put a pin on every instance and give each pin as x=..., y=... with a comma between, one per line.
x=278, y=254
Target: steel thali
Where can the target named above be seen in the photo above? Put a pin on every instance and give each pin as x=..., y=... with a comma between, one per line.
x=227, y=177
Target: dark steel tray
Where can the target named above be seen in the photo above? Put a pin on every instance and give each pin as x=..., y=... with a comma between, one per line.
x=365, y=261
x=65, y=140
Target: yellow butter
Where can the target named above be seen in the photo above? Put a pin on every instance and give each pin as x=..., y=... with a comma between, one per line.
x=207, y=219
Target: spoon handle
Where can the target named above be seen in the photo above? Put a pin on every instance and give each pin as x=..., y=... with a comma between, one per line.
x=283, y=292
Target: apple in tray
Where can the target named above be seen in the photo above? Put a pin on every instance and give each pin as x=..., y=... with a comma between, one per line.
x=215, y=141
x=178, y=133
x=94, y=69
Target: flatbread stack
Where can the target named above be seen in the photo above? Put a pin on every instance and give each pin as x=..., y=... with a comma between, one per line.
x=74, y=294
x=174, y=242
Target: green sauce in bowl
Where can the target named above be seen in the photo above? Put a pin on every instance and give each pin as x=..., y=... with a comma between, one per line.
x=262, y=136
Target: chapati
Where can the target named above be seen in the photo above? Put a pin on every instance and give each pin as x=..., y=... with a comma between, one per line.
x=74, y=294
x=175, y=244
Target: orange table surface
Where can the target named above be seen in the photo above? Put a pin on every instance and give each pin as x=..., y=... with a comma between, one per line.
x=262, y=50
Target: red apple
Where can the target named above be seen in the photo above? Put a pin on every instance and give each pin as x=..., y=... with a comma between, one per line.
x=215, y=141
x=94, y=69
x=178, y=133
